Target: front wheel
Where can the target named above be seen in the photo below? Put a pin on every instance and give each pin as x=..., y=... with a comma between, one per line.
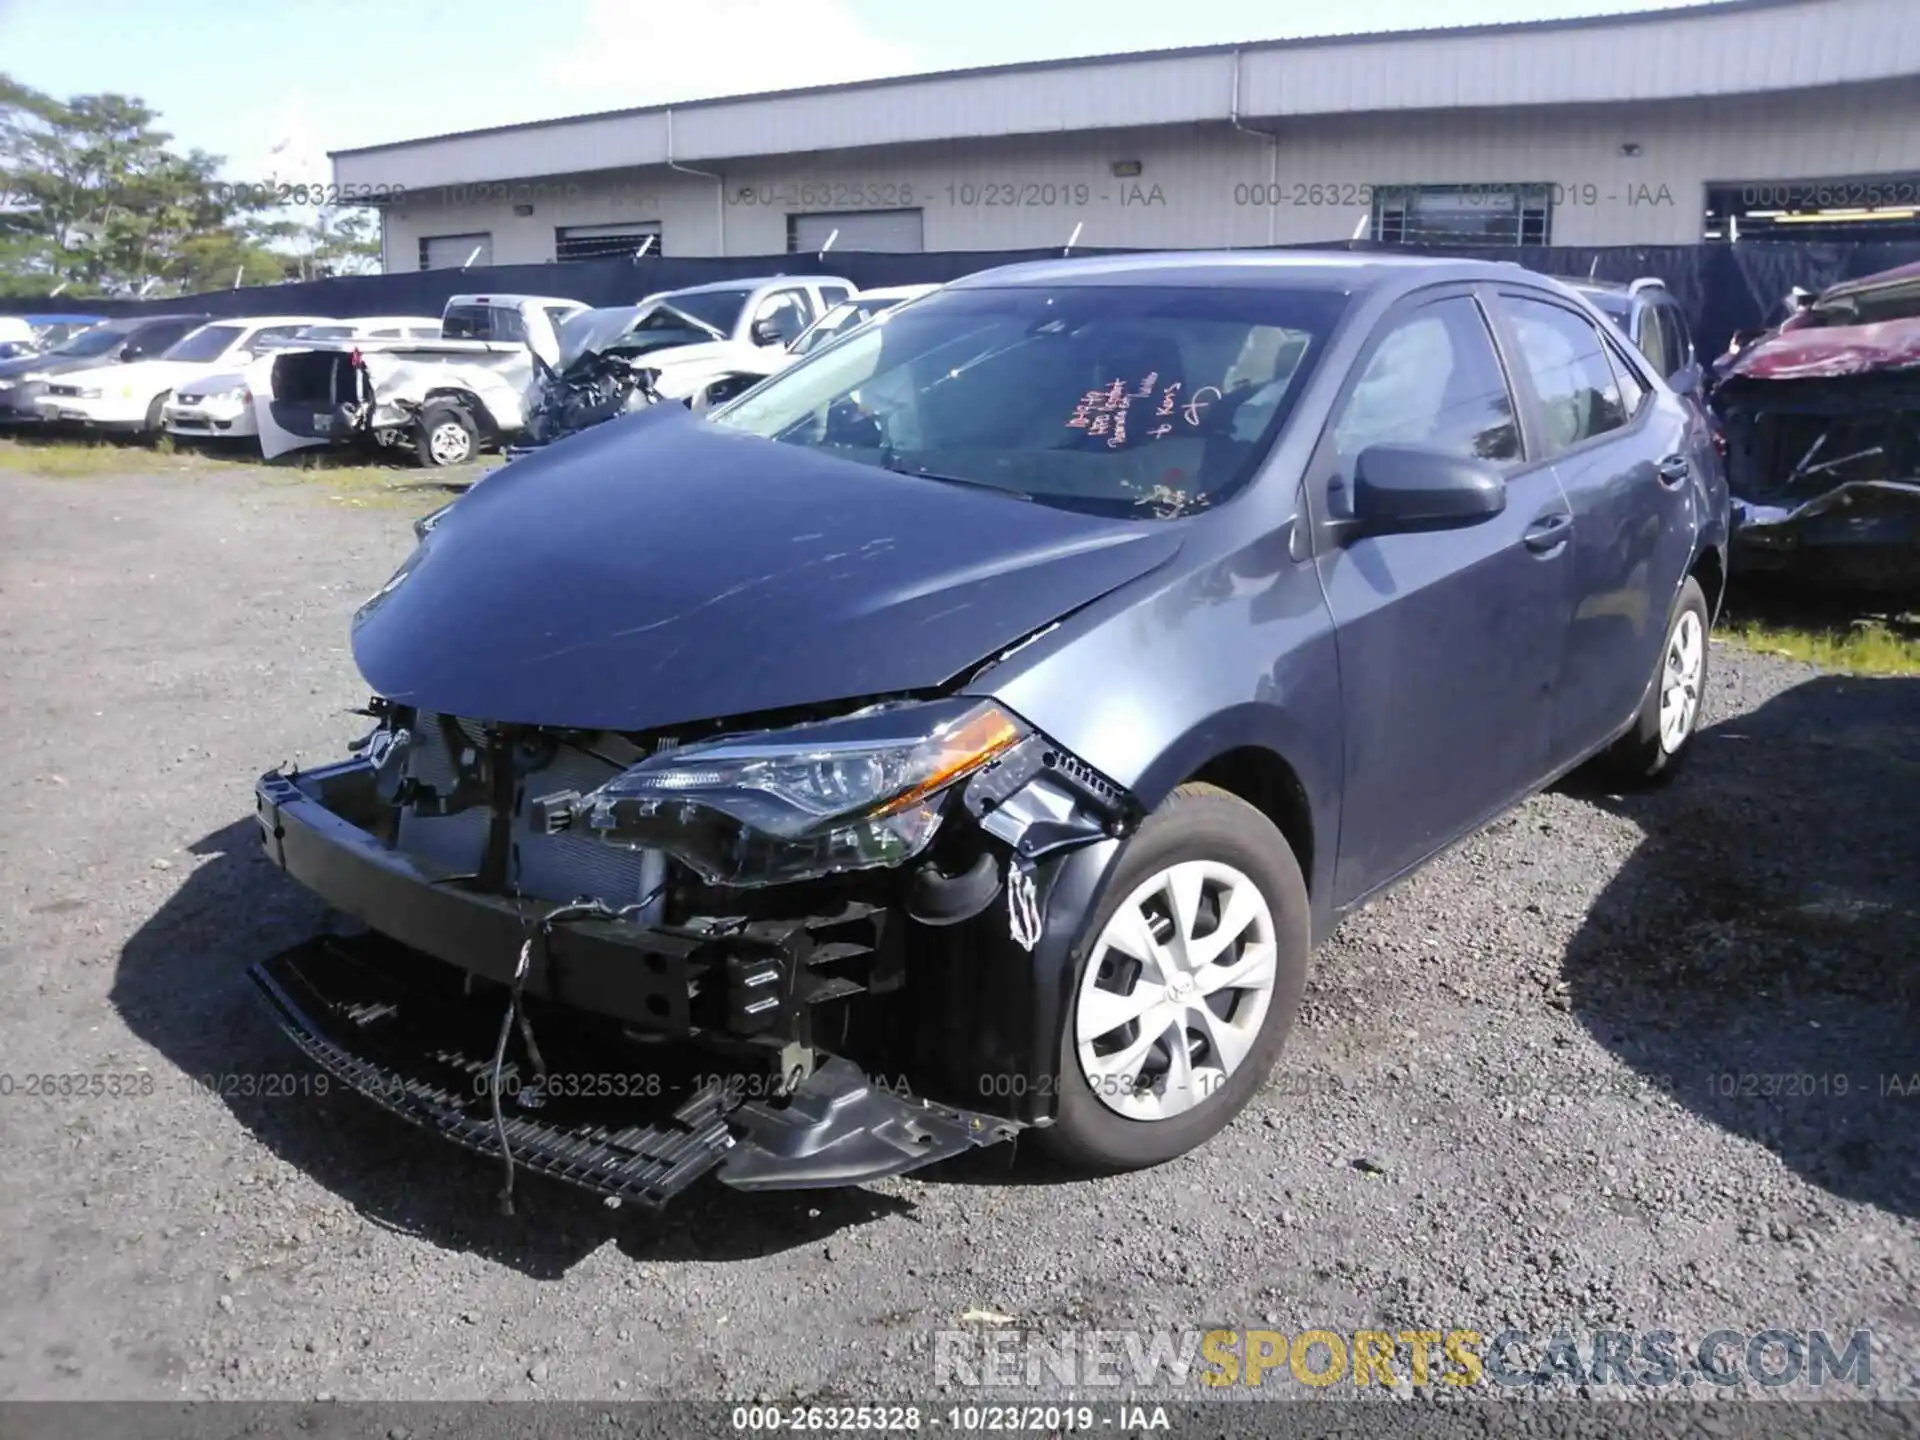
x=1188, y=985
x=1663, y=731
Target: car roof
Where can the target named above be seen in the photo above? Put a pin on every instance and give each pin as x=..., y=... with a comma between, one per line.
x=256, y=321
x=1347, y=271
x=366, y=320
x=754, y=282
x=890, y=292
x=497, y=298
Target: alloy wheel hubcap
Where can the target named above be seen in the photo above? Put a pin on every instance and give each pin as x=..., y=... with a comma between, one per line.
x=1176, y=990
x=1680, y=681
x=448, y=443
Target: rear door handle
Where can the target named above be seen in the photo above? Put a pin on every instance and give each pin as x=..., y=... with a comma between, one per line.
x=1674, y=470
x=1549, y=532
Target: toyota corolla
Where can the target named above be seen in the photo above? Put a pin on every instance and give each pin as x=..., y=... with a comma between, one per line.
x=970, y=731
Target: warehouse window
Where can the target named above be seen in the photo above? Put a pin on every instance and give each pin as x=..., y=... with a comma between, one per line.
x=450, y=252
x=885, y=231
x=1462, y=214
x=604, y=242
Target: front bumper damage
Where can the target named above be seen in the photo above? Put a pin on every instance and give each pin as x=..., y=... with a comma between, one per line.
x=649, y=1054
x=1823, y=452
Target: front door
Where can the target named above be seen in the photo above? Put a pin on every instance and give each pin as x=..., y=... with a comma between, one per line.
x=1448, y=640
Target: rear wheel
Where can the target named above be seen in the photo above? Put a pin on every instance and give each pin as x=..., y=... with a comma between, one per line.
x=1662, y=733
x=153, y=430
x=446, y=435
x=1189, y=985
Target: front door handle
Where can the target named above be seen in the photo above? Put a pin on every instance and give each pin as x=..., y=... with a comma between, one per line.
x=1674, y=470
x=1549, y=532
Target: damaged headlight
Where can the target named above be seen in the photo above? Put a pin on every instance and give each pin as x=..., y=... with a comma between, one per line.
x=849, y=794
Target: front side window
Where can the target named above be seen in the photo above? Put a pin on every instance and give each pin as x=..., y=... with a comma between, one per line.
x=1125, y=401
x=1562, y=353
x=1434, y=379
x=784, y=314
x=207, y=343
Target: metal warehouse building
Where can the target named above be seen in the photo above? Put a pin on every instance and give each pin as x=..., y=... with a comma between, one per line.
x=1734, y=120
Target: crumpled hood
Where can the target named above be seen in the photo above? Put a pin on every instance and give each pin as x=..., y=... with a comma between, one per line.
x=658, y=569
x=1827, y=351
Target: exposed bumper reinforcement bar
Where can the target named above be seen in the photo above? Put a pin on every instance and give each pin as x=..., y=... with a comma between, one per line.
x=426, y=1057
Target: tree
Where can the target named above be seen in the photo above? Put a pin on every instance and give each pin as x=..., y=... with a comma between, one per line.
x=92, y=194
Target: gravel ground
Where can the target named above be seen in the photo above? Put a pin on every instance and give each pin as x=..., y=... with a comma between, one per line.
x=1515, y=1098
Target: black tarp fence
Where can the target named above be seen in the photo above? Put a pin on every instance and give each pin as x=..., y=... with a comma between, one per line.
x=1722, y=287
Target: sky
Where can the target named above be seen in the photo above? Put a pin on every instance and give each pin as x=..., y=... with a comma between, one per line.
x=273, y=87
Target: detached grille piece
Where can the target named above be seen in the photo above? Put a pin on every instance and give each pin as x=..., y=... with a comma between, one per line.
x=427, y=1057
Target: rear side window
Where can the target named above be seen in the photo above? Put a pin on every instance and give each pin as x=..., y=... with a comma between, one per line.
x=468, y=322
x=157, y=337
x=1579, y=396
x=1633, y=394
x=1680, y=341
x=1434, y=379
x=1653, y=340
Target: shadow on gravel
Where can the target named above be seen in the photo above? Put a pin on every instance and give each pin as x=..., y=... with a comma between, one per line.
x=1757, y=957
x=181, y=987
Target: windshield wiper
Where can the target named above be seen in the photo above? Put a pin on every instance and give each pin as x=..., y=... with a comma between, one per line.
x=965, y=480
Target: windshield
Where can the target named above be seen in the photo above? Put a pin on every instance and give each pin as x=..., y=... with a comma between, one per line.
x=98, y=341
x=718, y=308
x=209, y=342
x=1128, y=401
x=847, y=315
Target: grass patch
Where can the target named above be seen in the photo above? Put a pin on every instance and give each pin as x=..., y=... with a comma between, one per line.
x=70, y=459
x=1880, y=645
x=343, y=477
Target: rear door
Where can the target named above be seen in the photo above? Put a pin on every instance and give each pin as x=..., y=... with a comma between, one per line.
x=1449, y=640
x=1621, y=448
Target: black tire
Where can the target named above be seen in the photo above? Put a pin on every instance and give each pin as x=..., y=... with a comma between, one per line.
x=154, y=430
x=442, y=419
x=1196, y=822
x=1640, y=757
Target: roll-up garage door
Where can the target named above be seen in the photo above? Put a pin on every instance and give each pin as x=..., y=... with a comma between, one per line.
x=878, y=230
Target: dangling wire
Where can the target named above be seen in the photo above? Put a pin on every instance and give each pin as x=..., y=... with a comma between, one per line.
x=582, y=909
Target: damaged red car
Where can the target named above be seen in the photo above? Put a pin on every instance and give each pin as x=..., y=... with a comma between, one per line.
x=1822, y=423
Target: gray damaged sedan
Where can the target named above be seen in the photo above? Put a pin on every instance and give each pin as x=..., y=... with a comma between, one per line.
x=970, y=731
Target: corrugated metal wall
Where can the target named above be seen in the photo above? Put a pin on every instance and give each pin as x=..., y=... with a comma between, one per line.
x=1716, y=51
x=1203, y=185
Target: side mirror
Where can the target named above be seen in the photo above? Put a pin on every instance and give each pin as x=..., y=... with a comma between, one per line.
x=131, y=350
x=1416, y=487
x=768, y=332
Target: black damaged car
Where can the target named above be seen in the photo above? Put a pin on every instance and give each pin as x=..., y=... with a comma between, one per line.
x=969, y=730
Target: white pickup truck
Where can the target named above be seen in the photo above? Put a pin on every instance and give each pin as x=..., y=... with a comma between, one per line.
x=445, y=399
